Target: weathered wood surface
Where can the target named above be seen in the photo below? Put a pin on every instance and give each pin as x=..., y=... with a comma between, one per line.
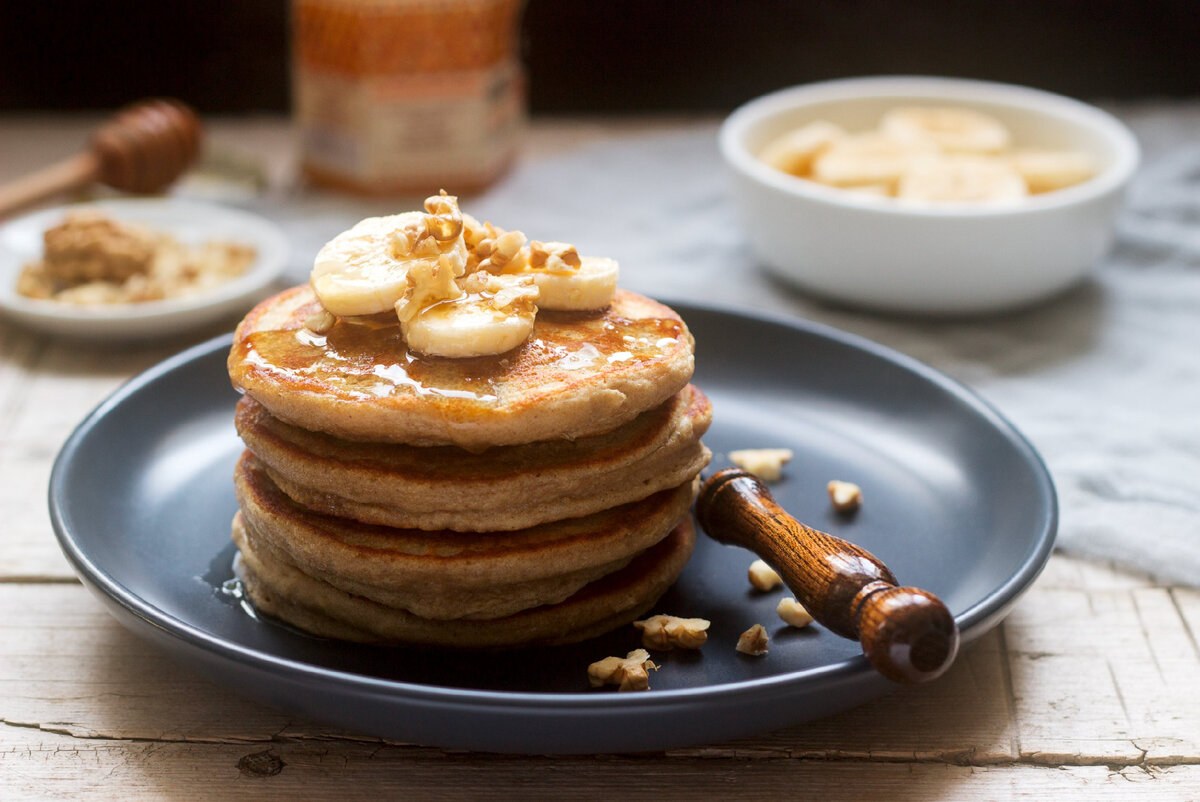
x=1090, y=689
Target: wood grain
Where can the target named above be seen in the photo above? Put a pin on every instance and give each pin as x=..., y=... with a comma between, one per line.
x=56, y=638
x=44, y=766
x=46, y=389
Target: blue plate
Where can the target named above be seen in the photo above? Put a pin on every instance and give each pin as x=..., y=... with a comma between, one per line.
x=955, y=501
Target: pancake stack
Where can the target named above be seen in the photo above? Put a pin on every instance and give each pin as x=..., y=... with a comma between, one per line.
x=538, y=496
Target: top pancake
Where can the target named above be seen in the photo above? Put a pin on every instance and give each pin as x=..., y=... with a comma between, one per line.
x=578, y=374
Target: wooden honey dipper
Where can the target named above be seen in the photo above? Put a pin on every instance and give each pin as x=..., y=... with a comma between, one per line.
x=142, y=149
x=907, y=633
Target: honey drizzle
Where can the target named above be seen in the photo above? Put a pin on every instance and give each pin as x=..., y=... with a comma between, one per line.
x=357, y=361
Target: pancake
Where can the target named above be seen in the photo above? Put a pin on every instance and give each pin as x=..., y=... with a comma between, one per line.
x=448, y=574
x=448, y=488
x=447, y=604
x=577, y=375
x=282, y=591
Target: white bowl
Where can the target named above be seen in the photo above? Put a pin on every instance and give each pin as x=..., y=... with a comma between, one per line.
x=881, y=254
x=188, y=221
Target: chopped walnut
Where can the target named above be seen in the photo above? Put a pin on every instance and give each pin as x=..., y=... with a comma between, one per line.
x=435, y=233
x=763, y=577
x=554, y=257
x=474, y=232
x=765, y=463
x=428, y=282
x=403, y=240
x=793, y=613
x=517, y=293
x=753, y=641
x=492, y=249
x=630, y=673
x=846, y=496
x=414, y=239
x=505, y=253
x=444, y=221
x=670, y=632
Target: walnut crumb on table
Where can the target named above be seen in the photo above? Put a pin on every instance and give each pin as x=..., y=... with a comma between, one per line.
x=670, y=632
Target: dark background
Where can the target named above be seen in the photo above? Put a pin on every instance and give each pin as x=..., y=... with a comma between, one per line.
x=617, y=55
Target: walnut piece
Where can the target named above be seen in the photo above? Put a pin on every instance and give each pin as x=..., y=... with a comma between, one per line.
x=444, y=221
x=669, y=632
x=753, y=641
x=846, y=496
x=765, y=463
x=554, y=257
x=763, y=577
x=793, y=613
x=429, y=282
x=630, y=673
x=515, y=293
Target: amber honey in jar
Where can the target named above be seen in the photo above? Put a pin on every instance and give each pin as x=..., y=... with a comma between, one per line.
x=395, y=96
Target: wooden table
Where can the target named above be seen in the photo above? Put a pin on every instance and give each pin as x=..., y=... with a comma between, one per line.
x=1090, y=689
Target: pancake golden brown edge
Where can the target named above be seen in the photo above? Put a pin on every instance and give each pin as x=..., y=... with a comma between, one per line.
x=451, y=574
x=578, y=374
x=285, y=592
x=447, y=488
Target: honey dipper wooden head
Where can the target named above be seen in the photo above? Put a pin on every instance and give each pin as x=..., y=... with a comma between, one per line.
x=147, y=145
x=143, y=148
x=907, y=634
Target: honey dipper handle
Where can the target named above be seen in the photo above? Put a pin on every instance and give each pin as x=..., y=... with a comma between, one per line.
x=74, y=173
x=143, y=149
x=906, y=633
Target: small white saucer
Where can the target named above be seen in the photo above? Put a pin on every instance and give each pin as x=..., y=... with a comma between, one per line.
x=188, y=221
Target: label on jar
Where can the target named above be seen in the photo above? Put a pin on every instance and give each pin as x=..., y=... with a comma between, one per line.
x=410, y=130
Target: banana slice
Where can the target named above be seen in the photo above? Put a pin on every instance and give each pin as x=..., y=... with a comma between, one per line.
x=955, y=130
x=870, y=158
x=962, y=179
x=364, y=271
x=494, y=316
x=794, y=151
x=464, y=329
x=1047, y=170
x=590, y=286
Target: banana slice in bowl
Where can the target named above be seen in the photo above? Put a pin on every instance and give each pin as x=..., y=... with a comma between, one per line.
x=1019, y=203
x=953, y=129
x=961, y=179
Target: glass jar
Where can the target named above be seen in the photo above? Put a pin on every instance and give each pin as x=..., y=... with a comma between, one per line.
x=400, y=96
